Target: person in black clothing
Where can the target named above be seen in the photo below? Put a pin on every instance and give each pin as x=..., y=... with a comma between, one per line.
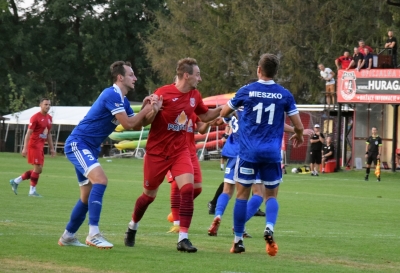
x=317, y=139
x=391, y=43
x=367, y=62
x=373, y=151
x=357, y=60
x=328, y=151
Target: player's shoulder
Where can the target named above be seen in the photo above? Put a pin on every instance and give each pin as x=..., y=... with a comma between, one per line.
x=165, y=89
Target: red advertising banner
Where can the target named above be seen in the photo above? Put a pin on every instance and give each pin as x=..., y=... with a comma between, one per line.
x=368, y=86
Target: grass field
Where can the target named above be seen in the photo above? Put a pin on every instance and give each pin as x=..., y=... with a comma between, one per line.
x=331, y=223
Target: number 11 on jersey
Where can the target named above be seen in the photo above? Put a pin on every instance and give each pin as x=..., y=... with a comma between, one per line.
x=259, y=107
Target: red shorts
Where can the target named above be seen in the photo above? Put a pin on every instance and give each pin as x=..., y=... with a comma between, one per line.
x=196, y=171
x=35, y=156
x=156, y=167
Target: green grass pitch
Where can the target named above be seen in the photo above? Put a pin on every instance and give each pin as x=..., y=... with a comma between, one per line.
x=332, y=223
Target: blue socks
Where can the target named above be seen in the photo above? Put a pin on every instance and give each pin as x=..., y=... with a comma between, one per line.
x=222, y=202
x=271, y=211
x=253, y=205
x=95, y=203
x=239, y=216
x=78, y=215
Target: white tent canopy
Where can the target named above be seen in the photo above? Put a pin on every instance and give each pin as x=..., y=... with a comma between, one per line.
x=62, y=115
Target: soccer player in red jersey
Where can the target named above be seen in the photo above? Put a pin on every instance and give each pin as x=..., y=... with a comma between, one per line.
x=37, y=134
x=167, y=149
x=202, y=128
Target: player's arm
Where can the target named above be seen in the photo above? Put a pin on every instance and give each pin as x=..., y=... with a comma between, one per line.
x=50, y=142
x=226, y=110
x=298, y=130
x=156, y=104
x=290, y=129
x=202, y=127
x=26, y=140
x=211, y=114
x=134, y=122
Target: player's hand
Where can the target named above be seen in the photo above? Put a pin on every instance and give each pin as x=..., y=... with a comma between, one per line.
x=53, y=153
x=297, y=140
x=308, y=132
x=216, y=122
x=156, y=103
x=24, y=152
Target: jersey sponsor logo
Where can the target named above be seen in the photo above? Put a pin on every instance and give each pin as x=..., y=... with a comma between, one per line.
x=180, y=123
x=190, y=126
x=44, y=133
x=115, y=121
x=192, y=102
x=376, y=142
x=244, y=170
x=265, y=95
x=174, y=99
x=227, y=170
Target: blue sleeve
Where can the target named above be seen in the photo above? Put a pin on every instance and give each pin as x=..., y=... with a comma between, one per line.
x=128, y=109
x=113, y=101
x=291, y=108
x=239, y=99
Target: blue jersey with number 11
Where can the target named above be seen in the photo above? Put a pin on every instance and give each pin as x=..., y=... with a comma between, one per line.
x=265, y=104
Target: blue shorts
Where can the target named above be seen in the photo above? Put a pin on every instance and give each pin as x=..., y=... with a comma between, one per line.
x=83, y=157
x=247, y=173
x=230, y=171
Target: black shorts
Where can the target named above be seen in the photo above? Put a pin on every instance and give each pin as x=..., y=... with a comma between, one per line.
x=315, y=157
x=372, y=157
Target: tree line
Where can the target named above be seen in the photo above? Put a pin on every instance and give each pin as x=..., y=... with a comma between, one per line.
x=62, y=49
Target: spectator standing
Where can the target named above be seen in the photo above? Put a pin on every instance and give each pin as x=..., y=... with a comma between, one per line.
x=344, y=61
x=329, y=76
x=391, y=43
x=316, y=141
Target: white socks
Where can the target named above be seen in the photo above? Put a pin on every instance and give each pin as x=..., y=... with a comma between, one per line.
x=93, y=230
x=18, y=180
x=32, y=190
x=132, y=225
x=182, y=235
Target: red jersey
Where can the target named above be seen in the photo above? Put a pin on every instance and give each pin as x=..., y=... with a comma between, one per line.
x=167, y=136
x=361, y=49
x=344, y=61
x=41, y=125
x=190, y=133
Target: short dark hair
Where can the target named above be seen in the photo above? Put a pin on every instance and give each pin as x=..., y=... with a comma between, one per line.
x=117, y=68
x=269, y=64
x=185, y=66
x=43, y=99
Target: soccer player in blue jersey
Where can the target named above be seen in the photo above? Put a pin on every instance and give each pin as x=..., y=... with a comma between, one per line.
x=83, y=146
x=265, y=104
x=231, y=151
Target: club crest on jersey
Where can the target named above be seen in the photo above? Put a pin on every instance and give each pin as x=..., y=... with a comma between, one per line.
x=192, y=102
x=180, y=122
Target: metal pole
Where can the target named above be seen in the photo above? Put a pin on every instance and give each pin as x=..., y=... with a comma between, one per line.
x=339, y=129
x=394, y=140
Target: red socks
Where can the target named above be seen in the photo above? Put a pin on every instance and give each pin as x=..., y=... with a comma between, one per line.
x=141, y=206
x=175, y=201
x=196, y=192
x=26, y=175
x=186, y=207
x=34, y=178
